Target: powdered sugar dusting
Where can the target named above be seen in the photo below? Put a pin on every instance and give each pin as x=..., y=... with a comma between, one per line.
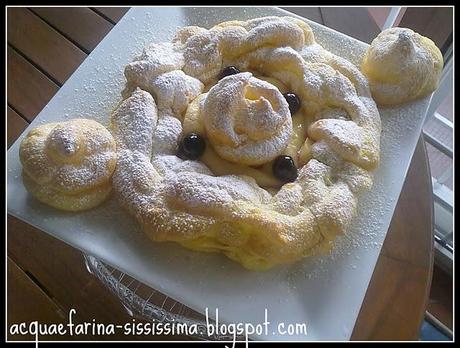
x=63, y=141
x=73, y=156
x=174, y=91
x=214, y=193
x=166, y=135
x=170, y=165
x=401, y=65
x=247, y=120
x=133, y=122
x=155, y=60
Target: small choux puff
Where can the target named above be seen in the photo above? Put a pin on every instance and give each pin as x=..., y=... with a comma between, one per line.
x=401, y=66
x=69, y=165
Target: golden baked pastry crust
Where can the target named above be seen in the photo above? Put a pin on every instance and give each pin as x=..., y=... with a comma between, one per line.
x=69, y=165
x=401, y=66
x=64, y=201
x=223, y=202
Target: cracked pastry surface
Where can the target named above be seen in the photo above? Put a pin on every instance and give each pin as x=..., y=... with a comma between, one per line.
x=401, y=66
x=228, y=200
x=69, y=165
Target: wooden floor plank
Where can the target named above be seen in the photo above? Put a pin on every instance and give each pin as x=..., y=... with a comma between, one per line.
x=113, y=13
x=61, y=271
x=91, y=28
x=400, y=284
x=28, y=89
x=393, y=305
x=15, y=126
x=344, y=19
x=43, y=45
x=26, y=302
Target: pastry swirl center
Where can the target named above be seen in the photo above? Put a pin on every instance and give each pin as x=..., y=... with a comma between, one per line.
x=63, y=143
x=247, y=119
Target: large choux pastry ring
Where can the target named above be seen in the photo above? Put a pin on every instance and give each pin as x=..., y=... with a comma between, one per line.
x=228, y=200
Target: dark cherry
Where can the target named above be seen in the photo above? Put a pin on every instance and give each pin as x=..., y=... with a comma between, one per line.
x=293, y=101
x=284, y=168
x=191, y=147
x=229, y=70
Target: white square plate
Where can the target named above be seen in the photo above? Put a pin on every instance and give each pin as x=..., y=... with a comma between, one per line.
x=324, y=292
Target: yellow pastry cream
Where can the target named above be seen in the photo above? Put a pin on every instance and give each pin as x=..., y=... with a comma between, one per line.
x=298, y=147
